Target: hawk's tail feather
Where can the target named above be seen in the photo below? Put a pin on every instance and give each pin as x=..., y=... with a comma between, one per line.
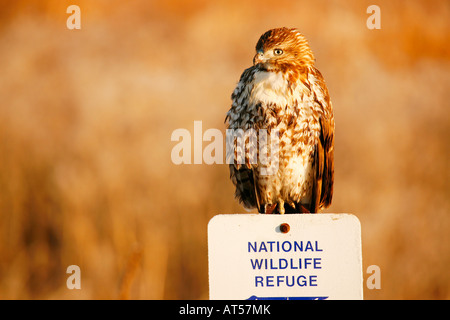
x=245, y=186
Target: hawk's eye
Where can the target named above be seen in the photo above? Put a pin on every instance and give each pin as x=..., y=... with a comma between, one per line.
x=278, y=52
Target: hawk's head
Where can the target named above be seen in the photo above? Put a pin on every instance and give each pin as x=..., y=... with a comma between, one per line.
x=281, y=48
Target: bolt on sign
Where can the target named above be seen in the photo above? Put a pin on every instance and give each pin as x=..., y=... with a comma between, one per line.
x=291, y=257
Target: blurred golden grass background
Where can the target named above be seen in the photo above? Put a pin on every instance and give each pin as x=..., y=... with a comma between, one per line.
x=86, y=118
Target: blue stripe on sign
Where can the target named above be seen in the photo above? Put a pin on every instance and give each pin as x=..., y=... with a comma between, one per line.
x=286, y=298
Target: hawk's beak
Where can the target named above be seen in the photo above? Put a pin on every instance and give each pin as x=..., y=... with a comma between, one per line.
x=259, y=57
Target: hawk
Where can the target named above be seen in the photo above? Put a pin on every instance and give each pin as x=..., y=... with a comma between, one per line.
x=284, y=92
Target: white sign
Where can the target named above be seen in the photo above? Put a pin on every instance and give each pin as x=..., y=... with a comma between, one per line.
x=291, y=256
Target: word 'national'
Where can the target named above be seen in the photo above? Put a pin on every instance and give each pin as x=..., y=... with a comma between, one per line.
x=285, y=246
